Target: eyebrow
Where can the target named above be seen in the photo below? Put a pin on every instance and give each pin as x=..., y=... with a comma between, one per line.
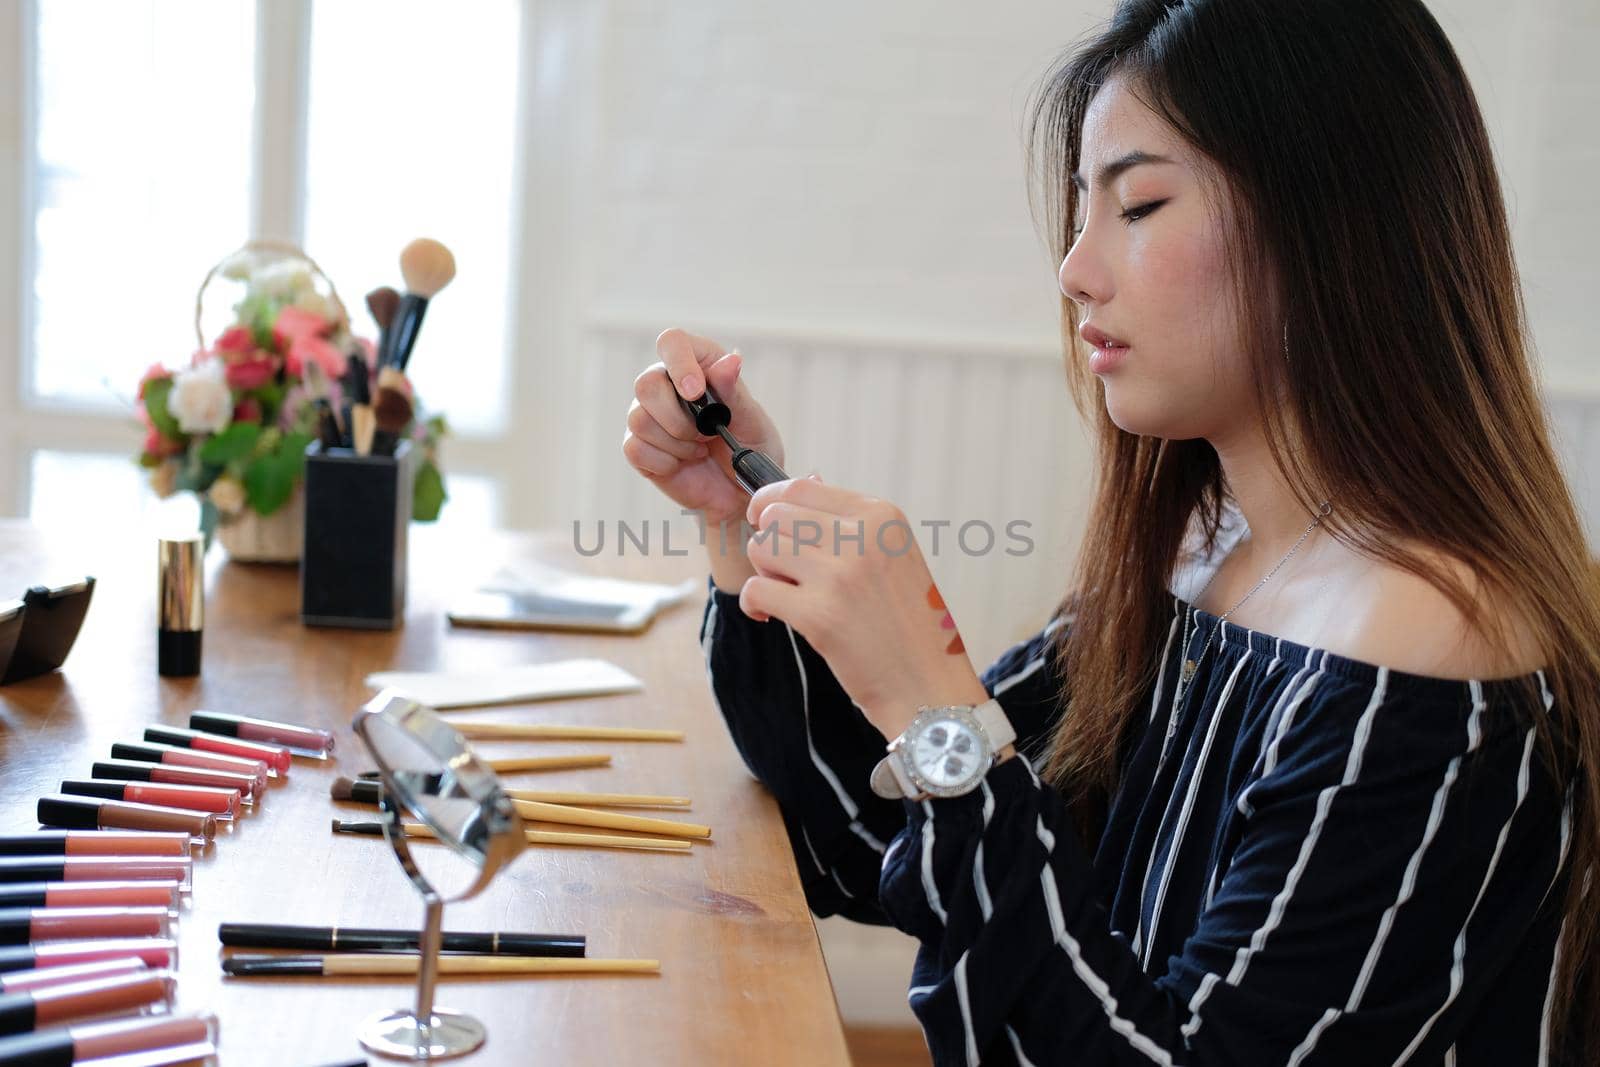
x=1113, y=170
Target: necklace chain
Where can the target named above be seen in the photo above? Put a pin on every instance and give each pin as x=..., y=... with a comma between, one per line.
x=1191, y=666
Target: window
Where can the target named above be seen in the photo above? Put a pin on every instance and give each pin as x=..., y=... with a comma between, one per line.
x=350, y=126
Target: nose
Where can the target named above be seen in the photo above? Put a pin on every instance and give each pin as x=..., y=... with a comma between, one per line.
x=1079, y=280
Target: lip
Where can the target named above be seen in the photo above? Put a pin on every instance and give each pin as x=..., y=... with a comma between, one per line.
x=1099, y=338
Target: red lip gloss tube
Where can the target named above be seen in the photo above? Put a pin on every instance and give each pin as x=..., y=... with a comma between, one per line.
x=94, y=843
x=128, y=770
x=40, y=977
x=20, y=926
x=188, y=757
x=154, y=951
x=122, y=1038
x=81, y=813
x=18, y=869
x=276, y=756
x=90, y=895
x=308, y=739
x=29, y=1009
x=223, y=803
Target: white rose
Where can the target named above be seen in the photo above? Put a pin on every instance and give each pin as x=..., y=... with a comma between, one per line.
x=200, y=399
x=228, y=495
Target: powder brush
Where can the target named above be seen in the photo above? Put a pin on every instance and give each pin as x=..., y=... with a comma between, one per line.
x=427, y=266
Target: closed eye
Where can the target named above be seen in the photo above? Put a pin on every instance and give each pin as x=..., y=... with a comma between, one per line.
x=1130, y=216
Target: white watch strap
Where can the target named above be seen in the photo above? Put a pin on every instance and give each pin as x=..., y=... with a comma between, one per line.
x=992, y=717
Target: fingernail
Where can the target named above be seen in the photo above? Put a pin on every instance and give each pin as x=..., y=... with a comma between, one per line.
x=691, y=385
x=814, y=476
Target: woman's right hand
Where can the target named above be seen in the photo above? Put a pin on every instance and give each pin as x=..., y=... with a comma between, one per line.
x=662, y=442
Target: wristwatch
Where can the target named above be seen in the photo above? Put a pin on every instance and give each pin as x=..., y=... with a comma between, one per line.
x=945, y=752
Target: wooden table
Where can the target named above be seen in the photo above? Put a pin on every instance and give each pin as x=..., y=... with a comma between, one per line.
x=742, y=979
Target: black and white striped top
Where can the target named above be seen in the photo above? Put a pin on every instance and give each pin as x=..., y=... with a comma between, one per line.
x=1329, y=863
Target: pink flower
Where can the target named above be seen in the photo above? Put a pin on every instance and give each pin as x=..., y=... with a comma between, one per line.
x=247, y=410
x=249, y=373
x=296, y=324
x=155, y=373
x=237, y=339
x=159, y=445
x=314, y=350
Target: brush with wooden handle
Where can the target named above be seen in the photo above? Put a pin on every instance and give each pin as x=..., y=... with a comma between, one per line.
x=367, y=791
x=524, y=731
x=533, y=837
x=427, y=267
x=610, y=820
x=401, y=963
x=516, y=764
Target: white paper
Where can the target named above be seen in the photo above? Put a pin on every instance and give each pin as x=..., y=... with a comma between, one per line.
x=565, y=585
x=509, y=685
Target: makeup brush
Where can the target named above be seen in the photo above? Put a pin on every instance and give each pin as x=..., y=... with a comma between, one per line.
x=392, y=411
x=509, y=764
x=383, y=302
x=567, y=815
x=367, y=791
x=534, y=837
x=427, y=266
x=401, y=963
x=363, y=424
x=523, y=731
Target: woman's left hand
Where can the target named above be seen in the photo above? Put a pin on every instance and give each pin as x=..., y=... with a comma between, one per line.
x=845, y=571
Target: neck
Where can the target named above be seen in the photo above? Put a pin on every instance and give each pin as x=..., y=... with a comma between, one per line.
x=1275, y=517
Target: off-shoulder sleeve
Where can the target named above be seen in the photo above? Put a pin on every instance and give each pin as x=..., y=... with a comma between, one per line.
x=1394, y=860
x=802, y=736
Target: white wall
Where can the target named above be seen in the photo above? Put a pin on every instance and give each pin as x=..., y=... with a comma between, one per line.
x=838, y=187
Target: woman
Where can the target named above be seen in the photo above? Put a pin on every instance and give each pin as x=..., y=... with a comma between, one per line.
x=1304, y=763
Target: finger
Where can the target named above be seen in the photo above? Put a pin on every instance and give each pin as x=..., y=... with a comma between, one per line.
x=723, y=376
x=686, y=357
x=808, y=492
x=807, y=528
x=770, y=598
x=654, y=391
x=647, y=458
x=646, y=428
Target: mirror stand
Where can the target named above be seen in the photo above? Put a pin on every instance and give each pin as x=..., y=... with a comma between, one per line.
x=403, y=1033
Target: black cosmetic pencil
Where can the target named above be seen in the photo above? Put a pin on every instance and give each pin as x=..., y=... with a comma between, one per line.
x=357, y=939
x=243, y=966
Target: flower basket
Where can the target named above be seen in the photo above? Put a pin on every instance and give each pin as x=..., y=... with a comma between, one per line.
x=234, y=424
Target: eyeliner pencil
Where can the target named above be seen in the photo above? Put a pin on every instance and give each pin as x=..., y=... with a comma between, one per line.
x=533, y=731
x=407, y=963
x=360, y=939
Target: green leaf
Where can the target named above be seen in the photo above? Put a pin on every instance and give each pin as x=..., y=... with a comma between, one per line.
x=428, y=495
x=236, y=442
x=271, y=478
x=155, y=404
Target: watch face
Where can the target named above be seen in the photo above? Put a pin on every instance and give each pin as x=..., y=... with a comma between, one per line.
x=947, y=754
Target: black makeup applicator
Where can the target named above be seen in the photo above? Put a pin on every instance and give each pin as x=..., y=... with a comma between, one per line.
x=751, y=468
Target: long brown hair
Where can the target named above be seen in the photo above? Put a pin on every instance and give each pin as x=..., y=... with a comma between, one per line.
x=1370, y=239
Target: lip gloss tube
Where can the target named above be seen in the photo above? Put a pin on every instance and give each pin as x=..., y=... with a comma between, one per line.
x=30, y=1009
x=94, y=843
x=40, y=977
x=15, y=869
x=90, y=895
x=118, y=1037
x=21, y=926
x=310, y=740
x=188, y=757
x=223, y=803
x=276, y=756
x=81, y=813
x=155, y=952
x=128, y=770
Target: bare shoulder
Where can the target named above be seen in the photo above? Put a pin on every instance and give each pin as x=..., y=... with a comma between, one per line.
x=1404, y=622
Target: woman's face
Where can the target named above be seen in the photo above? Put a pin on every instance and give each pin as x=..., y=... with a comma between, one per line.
x=1147, y=269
